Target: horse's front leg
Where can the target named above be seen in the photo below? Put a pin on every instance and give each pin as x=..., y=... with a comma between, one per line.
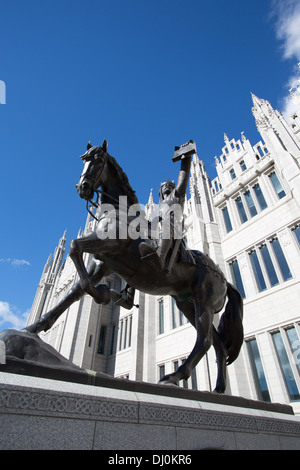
x=88, y=244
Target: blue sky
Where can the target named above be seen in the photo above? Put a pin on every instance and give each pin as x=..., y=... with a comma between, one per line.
x=144, y=74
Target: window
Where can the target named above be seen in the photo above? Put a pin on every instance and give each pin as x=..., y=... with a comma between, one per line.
x=112, y=341
x=161, y=328
x=161, y=371
x=102, y=336
x=269, y=265
x=257, y=271
x=237, y=278
x=232, y=174
x=294, y=345
x=277, y=185
x=194, y=379
x=178, y=318
x=243, y=165
x=283, y=265
x=125, y=332
x=250, y=203
x=129, y=331
x=121, y=335
x=268, y=262
x=260, y=197
x=241, y=210
x=258, y=371
x=296, y=231
x=260, y=151
x=285, y=367
x=227, y=219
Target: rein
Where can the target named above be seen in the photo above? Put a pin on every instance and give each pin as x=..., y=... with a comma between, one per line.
x=96, y=203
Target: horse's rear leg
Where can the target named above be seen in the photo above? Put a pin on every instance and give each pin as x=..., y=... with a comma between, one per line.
x=203, y=325
x=96, y=271
x=221, y=362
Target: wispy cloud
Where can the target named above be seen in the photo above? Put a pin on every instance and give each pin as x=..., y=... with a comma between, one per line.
x=11, y=317
x=15, y=261
x=287, y=27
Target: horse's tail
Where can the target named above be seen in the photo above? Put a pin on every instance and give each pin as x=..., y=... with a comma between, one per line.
x=230, y=327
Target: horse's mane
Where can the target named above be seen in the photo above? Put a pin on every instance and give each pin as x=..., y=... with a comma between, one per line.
x=123, y=179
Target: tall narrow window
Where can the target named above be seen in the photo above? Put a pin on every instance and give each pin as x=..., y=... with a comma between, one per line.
x=232, y=174
x=258, y=371
x=243, y=165
x=161, y=371
x=227, y=219
x=121, y=335
x=237, y=278
x=269, y=265
x=294, y=344
x=102, y=336
x=178, y=318
x=241, y=210
x=260, y=151
x=296, y=231
x=250, y=203
x=112, y=341
x=282, y=262
x=277, y=185
x=160, y=316
x=125, y=333
x=194, y=379
x=286, y=367
x=174, y=314
x=260, y=197
x=257, y=271
x=130, y=331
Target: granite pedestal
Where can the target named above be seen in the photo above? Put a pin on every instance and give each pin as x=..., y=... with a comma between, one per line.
x=82, y=411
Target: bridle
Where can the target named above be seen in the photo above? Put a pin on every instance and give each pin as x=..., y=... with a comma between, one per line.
x=98, y=192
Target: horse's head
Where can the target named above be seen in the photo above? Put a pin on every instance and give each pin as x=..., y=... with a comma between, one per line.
x=95, y=159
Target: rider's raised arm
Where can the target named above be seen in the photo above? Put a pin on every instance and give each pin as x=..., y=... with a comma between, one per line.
x=184, y=154
x=183, y=177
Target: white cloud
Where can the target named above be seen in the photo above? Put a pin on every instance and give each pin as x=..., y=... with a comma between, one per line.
x=10, y=317
x=287, y=27
x=15, y=261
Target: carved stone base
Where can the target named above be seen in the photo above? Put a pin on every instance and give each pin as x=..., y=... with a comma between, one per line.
x=39, y=413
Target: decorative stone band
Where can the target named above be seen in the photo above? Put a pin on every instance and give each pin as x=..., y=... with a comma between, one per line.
x=24, y=400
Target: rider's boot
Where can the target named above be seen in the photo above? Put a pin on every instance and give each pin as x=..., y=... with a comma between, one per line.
x=157, y=258
x=150, y=254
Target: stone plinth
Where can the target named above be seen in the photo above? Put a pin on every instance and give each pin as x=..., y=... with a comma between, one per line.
x=42, y=413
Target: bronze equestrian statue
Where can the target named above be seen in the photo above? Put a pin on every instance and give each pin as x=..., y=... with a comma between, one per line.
x=195, y=282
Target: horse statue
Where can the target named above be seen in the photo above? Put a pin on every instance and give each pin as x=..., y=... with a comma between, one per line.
x=199, y=287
